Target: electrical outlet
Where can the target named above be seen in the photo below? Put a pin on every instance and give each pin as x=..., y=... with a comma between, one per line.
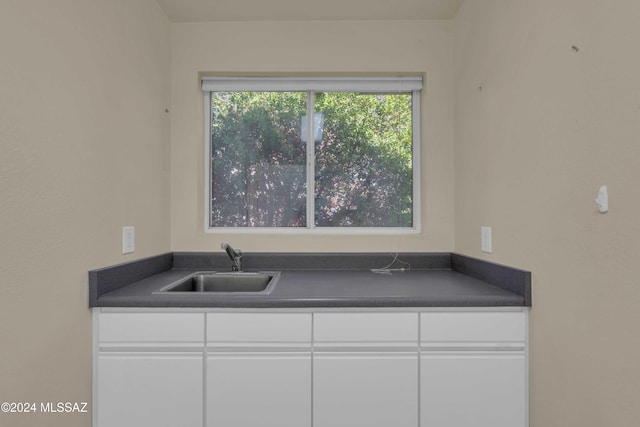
x=128, y=240
x=485, y=237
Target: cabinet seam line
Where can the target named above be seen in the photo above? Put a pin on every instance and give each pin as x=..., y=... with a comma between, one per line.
x=313, y=340
x=205, y=376
x=419, y=368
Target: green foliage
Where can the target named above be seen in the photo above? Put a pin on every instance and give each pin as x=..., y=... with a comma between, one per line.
x=363, y=163
x=258, y=161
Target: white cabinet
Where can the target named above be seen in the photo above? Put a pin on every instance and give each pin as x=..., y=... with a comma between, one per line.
x=247, y=329
x=149, y=389
x=259, y=389
x=118, y=329
x=464, y=389
x=421, y=368
x=366, y=389
x=473, y=369
x=148, y=369
x=258, y=369
x=365, y=370
x=390, y=330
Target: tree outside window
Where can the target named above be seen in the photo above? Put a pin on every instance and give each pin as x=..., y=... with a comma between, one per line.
x=361, y=160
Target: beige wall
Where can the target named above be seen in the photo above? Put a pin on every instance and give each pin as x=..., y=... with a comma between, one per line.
x=84, y=146
x=422, y=46
x=539, y=127
x=84, y=141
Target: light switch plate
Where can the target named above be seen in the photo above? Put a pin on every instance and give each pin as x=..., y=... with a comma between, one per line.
x=485, y=233
x=128, y=240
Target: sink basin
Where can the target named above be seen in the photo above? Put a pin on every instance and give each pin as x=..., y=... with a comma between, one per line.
x=225, y=283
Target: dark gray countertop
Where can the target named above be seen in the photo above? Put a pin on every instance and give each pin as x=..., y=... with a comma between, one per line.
x=434, y=280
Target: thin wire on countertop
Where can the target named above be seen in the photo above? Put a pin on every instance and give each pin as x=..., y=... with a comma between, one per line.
x=387, y=270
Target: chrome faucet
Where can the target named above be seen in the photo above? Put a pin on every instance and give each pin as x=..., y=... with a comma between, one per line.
x=235, y=255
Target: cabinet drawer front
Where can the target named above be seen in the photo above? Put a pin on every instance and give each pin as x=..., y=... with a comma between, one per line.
x=259, y=327
x=151, y=327
x=365, y=327
x=473, y=327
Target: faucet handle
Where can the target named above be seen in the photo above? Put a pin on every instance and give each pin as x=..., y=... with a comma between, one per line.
x=235, y=255
x=227, y=247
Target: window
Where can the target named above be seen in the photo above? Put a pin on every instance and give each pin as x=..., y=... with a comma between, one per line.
x=312, y=154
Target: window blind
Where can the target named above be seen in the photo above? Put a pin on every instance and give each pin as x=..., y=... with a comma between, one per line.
x=399, y=84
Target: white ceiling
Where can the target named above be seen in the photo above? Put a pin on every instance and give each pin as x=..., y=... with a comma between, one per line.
x=306, y=10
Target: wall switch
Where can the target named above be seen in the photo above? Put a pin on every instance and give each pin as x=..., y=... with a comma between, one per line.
x=128, y=240
x=485, y=233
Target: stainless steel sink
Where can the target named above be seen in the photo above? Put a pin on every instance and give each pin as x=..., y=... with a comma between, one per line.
x=225, y=283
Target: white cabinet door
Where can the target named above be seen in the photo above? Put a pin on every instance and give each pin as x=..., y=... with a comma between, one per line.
x=149, y=389
x=265, y=389
x=363, y=389
x=464, y=389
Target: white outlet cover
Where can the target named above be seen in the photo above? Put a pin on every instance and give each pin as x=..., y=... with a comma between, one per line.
x=128, y=240
x=485, y=233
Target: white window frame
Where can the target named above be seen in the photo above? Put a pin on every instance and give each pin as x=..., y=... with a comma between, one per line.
x=375, y=84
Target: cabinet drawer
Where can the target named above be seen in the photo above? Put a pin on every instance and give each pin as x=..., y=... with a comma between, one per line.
x=473, y=327
x=365, y=327
x=151, y=327
x=259, y=327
